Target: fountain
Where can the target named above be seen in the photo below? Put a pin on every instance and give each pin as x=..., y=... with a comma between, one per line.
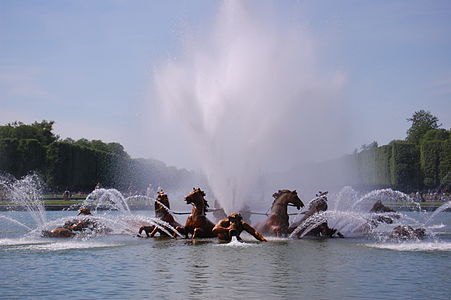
x=245, y=95
x=26, y=194
x=350, y=214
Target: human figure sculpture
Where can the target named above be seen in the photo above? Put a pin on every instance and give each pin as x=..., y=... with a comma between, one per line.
x=233, y=225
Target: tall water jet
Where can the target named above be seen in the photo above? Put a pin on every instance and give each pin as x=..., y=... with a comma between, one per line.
x=250, y=99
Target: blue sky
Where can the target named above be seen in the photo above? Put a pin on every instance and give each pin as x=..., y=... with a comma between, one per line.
x=89, y=65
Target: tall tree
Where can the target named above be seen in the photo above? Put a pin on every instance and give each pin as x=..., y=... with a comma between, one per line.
x=422, y=122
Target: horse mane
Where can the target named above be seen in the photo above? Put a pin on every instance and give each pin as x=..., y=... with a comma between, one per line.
x=202, y=194
x=162, y=195
x=206, y=203
x=278, y=194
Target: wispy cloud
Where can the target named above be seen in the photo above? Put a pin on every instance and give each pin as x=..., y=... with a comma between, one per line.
x=442, y=86
x=23, y=82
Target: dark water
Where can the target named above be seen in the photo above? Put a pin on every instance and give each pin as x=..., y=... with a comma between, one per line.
x=126, y=267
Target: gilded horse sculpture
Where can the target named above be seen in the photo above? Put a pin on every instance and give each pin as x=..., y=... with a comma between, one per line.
x=161, y=212
x=316, y=206
x=67, y=230
x=197, y=224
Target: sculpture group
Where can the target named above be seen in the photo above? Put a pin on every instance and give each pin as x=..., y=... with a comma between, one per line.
x=277, y=224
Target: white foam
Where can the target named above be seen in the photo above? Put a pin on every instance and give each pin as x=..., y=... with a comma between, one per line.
x=69, y=245
x=438, y=226
x=236, y=243
x=413, y=246
x=20, y=241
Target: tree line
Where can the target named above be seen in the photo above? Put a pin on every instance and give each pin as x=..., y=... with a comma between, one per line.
x=79, y=165
x=420, y=162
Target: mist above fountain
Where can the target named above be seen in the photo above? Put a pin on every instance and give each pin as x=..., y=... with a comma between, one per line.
x=250, y=98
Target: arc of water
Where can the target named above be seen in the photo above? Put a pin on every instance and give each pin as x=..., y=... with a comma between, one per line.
x=387, y=193
x=14, y=221
x=442, y=208
x=101, y=196
x=26, y=193
x=161, y=225
x=304, y=210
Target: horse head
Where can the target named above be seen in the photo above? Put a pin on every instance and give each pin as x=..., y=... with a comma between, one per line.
x=84, y=211
x=196, y=198
x=378, y=207
x=288, y=197
x=319, y=203
x=162, y=201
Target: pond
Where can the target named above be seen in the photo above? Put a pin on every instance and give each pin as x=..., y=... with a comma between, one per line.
x=123, y=266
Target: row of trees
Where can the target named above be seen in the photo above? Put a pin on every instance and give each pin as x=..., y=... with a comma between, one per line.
x=78, y=165
x=422, y=161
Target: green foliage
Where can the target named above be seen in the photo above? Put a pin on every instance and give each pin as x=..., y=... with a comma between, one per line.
x=8, y=155
x=407, y=166
x=41, y=131
x=436, y=135
x=422, y=161
x=405, y=169
x=31, y=157
x=445, y=165
x=422, y=122
x=79, y=168
x=366, y=160
x=79, y=165
x=383, y=169
x=113, y=148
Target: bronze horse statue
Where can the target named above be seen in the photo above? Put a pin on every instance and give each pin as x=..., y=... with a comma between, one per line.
x=59, y=232
x=69, y=227
x=277, y=222
x=317, y=205
x=400, y=232
x=197, y=224
x=161, y=212
x=388, y=214
x=406, y=232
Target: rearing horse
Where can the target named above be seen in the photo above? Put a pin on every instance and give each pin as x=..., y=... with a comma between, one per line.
x=162, y=213
x=277, y=222
x=197, y=223
x=316, y=206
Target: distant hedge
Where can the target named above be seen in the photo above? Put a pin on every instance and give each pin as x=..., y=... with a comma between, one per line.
x=406, y=166
x=77, y=167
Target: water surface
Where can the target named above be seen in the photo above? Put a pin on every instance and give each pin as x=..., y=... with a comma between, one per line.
x=127, y=267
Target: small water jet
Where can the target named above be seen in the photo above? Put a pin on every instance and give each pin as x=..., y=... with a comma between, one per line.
x=352, y=215
x=15, y=222
x=25, y=193
x=110, y=199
